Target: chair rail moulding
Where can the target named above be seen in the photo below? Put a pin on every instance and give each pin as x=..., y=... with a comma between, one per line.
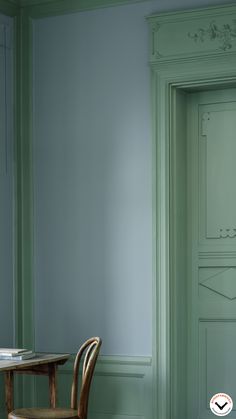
x=189, y=50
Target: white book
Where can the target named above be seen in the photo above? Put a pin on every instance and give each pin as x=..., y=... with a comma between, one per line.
x=17, y=357
x=12, y=351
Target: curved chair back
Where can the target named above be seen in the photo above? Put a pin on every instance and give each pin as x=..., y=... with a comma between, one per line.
x=90, y=350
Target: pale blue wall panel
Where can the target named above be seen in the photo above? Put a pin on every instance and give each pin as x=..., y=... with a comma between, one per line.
x=92, y=177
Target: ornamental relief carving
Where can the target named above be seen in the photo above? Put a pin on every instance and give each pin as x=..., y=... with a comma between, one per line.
x=227, y=232
x=205, y=120
x=225, y=35
x=155, y=26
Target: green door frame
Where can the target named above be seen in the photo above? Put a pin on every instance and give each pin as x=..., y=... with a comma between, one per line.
x=176, y=65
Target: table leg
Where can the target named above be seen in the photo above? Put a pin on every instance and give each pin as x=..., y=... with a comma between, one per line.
x=52, y=385
x=9, y=384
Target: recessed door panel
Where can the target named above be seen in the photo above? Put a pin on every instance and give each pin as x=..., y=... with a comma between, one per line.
x=212, y=249
x=218, y=170
x=217, y=372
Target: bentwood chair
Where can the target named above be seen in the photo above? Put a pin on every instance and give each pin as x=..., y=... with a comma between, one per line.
x=78, y=409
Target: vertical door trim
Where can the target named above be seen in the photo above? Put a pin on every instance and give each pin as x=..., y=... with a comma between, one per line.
x=192, y=71
x=163, y=336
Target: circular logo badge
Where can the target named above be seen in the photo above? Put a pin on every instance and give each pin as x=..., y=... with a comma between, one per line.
x=221, y=404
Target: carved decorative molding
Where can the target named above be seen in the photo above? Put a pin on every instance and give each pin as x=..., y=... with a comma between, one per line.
x=205, y=120
x=227, y=232
x=225, y=34
x=155, y=26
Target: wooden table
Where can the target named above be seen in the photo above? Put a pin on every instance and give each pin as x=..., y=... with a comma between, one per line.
x=41, y=364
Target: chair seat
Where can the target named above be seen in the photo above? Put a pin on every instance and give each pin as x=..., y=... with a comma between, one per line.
x=37, y=413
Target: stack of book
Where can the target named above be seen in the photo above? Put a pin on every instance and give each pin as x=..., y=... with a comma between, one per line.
x=14, y=354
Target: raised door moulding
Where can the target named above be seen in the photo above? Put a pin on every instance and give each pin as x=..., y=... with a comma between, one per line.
x=193, y=33
x=220, y=280
x=217, y=148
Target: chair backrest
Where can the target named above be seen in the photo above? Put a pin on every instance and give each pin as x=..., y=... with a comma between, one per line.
x=90, y=350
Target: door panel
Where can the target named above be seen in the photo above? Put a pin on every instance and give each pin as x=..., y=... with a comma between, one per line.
x=216, y=371
x=212, y=249
x=217, y=143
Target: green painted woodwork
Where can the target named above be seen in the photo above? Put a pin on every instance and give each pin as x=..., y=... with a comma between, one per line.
x=24, y=326
x=218, y=121
x=211, y=355
x=121, y=387
x=176, y=73
x=10, y=9
x=212, y=331
x=178, y=249
x=24, y=294
x=179, y=35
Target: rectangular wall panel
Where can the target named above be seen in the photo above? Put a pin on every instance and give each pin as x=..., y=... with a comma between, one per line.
x=121, y=388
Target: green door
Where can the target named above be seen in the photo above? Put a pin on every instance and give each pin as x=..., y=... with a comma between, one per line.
x=211, y=271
